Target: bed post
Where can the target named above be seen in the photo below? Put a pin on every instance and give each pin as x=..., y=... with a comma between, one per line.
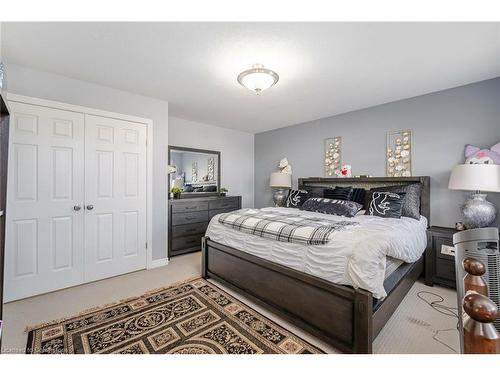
x=363, y=322
x=204, y=257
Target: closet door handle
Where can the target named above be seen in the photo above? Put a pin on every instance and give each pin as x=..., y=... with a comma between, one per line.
x=90, y=207
x=77, y=208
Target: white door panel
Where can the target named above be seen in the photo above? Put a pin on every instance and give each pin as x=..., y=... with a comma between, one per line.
x=115, y=175
x=44, y=234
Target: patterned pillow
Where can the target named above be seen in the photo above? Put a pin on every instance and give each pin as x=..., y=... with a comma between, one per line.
x=358, y=195
x=411, y=202
x=331, y=206
x=340, y=192
x=296, y=198
x=385, y=204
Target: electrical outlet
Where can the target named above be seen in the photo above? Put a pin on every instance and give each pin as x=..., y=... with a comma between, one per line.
x=448, y=250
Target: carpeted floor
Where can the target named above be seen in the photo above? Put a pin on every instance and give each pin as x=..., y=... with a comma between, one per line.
x=414, y=328
x=194, y=317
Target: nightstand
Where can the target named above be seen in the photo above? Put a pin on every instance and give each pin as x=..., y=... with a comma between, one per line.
x=439, y=257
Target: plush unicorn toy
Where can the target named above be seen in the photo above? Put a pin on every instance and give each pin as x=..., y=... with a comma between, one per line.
x=475, y=155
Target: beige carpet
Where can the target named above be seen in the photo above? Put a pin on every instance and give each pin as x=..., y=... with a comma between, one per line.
x=414, y=328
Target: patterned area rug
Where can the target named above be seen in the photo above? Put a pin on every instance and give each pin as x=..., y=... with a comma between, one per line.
x=195, y=317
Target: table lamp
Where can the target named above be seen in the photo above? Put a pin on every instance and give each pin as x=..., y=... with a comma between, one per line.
x=477, y=211
x=281, y=182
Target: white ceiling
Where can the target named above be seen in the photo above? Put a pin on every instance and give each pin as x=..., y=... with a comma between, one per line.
x=325, y=68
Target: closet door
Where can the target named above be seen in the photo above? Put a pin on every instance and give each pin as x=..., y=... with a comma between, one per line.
x=45, y=195
x=115, y=197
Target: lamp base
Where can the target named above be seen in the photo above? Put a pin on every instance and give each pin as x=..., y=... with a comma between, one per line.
x=279, y=197
x=478, y=212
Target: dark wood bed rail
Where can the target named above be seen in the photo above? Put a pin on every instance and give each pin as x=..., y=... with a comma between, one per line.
x=339, y=315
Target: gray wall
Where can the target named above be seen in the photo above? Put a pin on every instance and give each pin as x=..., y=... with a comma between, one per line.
x=236, y=148
x=43, y=85
x=443, y=122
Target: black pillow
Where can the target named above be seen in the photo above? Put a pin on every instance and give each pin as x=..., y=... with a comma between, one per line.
x=331, y=206
x=340, y=192
x=358, y=195
x=385, y=204
x=296, y=198
x=411, y=202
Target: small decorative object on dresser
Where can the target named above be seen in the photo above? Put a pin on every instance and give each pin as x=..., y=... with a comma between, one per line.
x=399, y=153
x=333, y=156
x=189, y=217
x=440, y=257
x=223, y=191
x=176, y=192
x=477, y=211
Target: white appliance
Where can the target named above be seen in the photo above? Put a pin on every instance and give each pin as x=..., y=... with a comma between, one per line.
x=76, y=199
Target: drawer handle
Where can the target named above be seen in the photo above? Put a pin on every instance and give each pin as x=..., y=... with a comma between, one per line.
x=191, y=241
x=190, y=230
x=190, y=208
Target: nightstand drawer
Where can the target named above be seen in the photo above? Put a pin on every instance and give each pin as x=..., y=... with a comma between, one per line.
x=440, y=257
x=445, y=269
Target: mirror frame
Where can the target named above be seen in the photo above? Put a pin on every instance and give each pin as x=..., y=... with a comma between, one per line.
x=199, y=150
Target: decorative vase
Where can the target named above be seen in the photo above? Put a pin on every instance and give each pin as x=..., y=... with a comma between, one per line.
x=176, y=195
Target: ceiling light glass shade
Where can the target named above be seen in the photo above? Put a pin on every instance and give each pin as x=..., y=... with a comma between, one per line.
x=258, y=78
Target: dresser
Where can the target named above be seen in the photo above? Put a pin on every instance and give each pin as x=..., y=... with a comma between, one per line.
x=189, y=217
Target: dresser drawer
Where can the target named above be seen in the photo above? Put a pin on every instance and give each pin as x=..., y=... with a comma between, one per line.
x=189, y=217
x=212, y=213
x=226, y=203
x=186, y=242
x=189, y=229
x=189, y=206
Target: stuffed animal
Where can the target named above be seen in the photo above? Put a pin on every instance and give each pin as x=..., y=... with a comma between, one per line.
x=284, y=166
x=475, y=155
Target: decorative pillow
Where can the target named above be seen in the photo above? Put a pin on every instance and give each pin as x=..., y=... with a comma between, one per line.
x=358, y=195
x=331, y=206
x=411, y=202
x=296, y=198
x=385, y=204
x=340, y=192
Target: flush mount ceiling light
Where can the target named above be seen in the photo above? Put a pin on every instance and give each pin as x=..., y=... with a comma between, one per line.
x=258, y=78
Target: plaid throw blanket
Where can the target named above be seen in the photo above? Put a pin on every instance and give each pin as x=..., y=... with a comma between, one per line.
x=283, y=227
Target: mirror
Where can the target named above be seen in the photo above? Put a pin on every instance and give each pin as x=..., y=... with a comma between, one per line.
x=194, y=171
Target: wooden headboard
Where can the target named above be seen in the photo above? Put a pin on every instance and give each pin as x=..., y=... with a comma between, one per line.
x=315, y=185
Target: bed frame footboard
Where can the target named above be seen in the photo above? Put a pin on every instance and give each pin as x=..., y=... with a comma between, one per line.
x=339, y=315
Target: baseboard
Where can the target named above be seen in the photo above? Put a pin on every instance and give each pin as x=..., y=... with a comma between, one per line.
x=157, y=263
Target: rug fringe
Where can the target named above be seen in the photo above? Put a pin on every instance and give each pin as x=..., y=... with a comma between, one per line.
x=108, y=305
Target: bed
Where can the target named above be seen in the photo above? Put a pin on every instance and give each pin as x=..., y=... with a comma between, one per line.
x=342, y=311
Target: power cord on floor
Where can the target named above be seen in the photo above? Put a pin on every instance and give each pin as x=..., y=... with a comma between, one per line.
x=442, y=309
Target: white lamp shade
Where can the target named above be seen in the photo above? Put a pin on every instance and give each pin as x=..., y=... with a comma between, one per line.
x=280, y=180
x=482, y=177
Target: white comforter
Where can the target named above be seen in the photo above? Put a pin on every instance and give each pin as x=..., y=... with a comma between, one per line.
x=355, y=256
